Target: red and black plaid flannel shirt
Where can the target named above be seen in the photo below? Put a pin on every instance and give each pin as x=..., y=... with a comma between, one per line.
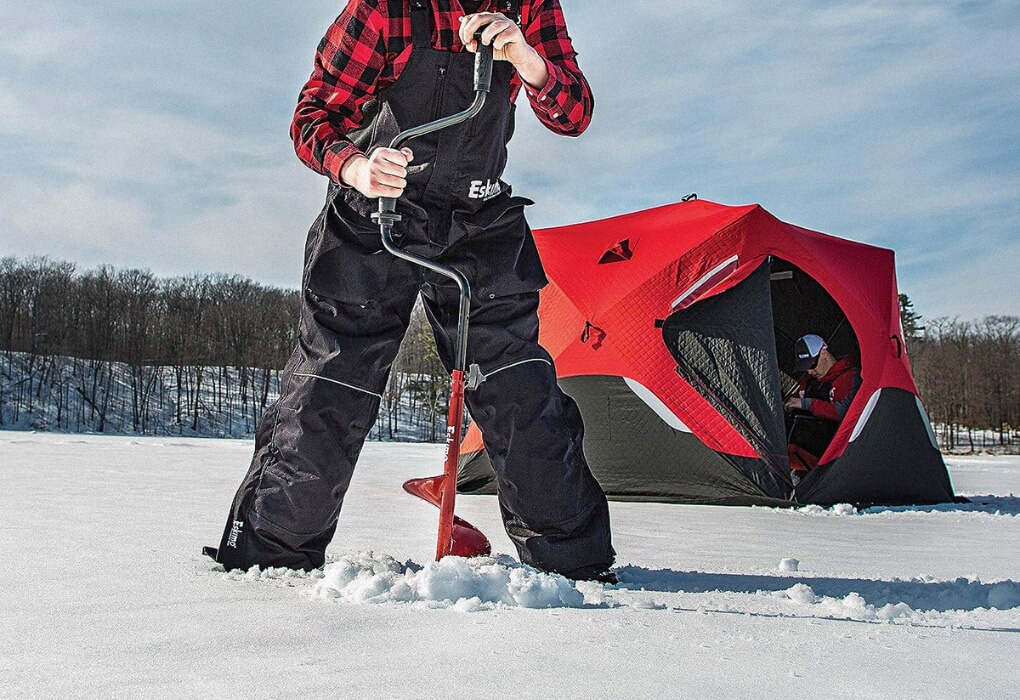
x=369, y=44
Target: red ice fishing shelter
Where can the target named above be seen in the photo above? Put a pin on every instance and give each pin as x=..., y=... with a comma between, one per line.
x=674, y=330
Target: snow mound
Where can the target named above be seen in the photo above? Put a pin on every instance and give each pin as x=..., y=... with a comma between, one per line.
x=466, y=585
x=853, y=606
x=290, y=577
x=838, y=510
x=800, y=593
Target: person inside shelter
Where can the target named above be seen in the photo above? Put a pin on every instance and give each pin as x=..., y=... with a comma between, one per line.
x=827, y=388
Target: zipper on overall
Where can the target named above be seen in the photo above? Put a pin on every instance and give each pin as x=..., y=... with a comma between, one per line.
x=437, y=98
x=437, y=103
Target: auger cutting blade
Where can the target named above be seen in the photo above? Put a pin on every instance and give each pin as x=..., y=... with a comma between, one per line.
x=467, y=540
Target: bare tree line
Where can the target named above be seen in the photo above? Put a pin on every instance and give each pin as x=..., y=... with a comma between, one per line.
x=202, y=355
x=968, y=376
x=178, y=355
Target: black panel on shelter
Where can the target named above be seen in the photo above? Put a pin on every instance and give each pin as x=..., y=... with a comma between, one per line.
x=637, y=456
x=892, y=461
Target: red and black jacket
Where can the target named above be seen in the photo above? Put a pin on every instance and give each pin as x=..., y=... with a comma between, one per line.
x=830, y=396
x=368, y=46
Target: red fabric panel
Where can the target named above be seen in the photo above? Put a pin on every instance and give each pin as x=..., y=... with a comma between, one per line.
x=674, y=247
x=472, y=441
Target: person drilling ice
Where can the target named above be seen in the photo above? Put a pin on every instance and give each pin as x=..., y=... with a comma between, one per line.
x=383, y=67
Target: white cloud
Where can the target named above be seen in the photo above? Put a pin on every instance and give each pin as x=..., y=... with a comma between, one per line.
x=68, y=219
x=980, y=282
x=888, y=122
x=144, y=145
x=14, y=110
x=38, y=44
x=262, y=230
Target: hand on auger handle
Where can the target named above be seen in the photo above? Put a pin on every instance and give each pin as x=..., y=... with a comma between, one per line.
x=456, y=536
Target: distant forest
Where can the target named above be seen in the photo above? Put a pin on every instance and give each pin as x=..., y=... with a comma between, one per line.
x=968, y=376
x=175, y=354
x=188, y=347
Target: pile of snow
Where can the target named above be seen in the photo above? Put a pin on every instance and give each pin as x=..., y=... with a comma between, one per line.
x=482, y=583
x=466, y=585
x=838, y=510
x=789, y=564
x=853, y=606
x=1003, y=595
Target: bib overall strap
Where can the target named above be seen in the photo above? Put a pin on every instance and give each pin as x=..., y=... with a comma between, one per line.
x=421, y=21
x=512, y=9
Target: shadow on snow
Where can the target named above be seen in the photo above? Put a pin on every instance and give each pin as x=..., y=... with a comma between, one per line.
x=942, y=596
x=995, y=505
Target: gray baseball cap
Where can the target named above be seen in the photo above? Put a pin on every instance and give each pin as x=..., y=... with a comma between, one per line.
x=809, y=347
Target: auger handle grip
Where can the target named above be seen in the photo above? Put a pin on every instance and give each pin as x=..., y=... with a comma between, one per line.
x=387, y=205
x=483, y=64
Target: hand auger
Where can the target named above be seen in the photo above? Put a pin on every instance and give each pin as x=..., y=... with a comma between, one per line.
x=456, y=536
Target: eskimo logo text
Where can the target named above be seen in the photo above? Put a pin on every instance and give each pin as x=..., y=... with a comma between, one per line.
x=484, y=190
x=235, y=531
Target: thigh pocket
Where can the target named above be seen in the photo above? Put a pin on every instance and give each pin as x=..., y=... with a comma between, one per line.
x=345, y=273
x=499, y=249
x=354, y=312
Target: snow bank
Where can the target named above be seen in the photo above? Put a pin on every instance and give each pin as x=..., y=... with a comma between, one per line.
x=977, y=506
x=851, y=607
x=222, y=410
x=854, y=606
x=838, y=510
x=925, y=598
x=482, y=583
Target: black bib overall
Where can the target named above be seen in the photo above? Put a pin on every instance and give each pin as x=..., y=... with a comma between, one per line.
x=357, y=302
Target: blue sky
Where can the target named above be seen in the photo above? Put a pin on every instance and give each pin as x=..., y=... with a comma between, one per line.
x=155, y=134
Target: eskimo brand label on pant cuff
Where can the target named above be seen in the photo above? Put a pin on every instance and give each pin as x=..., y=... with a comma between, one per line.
x=235, y=532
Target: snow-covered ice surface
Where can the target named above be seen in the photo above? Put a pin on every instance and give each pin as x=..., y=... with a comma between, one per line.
x=103, y=592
